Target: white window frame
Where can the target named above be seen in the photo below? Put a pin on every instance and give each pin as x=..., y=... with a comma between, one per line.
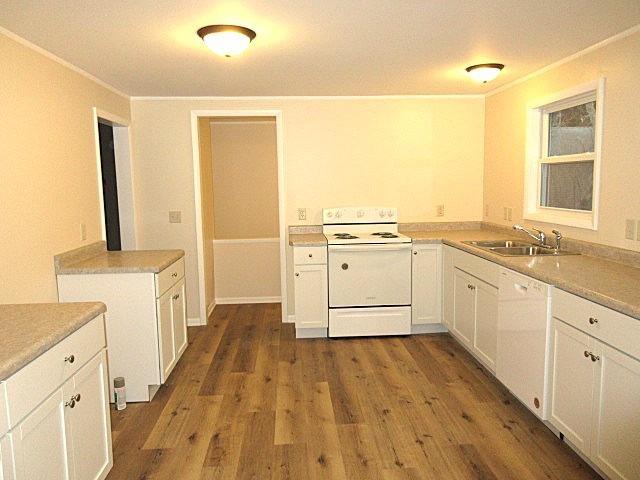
x=536, y=149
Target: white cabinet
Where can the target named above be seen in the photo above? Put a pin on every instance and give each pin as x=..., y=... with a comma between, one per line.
x=475, y=316
x=447, y=285
x=146, y=323
x=426, y=284
x=41, y=442
x=572, y=375
x=172, y=327
x=595, y=386
x=60, y=432
x=311, y=291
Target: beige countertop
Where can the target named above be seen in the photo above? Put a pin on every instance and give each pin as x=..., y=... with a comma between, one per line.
x=307, y=240
x=28, y=330
x=131, y=261
x=608, y=283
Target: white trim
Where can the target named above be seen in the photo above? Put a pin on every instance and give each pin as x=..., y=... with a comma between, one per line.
x=222, y=241
x=311, y=332
x=452, y=96
x=194, y=322
x=210, y=309
x=64, y=63
x=535, y=112
x=581, y=53
x=195, y=114
x=291, y=319
x=237, y=300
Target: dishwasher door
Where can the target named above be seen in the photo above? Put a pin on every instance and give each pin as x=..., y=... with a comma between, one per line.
x=524, y=316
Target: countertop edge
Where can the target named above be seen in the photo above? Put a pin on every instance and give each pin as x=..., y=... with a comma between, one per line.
x=75, y=269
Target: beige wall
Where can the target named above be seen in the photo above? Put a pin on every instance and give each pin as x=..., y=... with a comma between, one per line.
x=413, y=153
x=505, y=139
x=48, y=167
x=207, y=207
x=246, y=180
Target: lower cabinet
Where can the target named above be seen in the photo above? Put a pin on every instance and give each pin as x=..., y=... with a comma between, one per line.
x=6, y=455
x=426, y=284
x=475, y=315
x=311, y=296
x=596, y=399
x=68, y=436
x=172, y=327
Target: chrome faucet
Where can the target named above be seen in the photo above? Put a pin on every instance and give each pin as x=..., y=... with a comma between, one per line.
x=558, y=238
x=541, y=237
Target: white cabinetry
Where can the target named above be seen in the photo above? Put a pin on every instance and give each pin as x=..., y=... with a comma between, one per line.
x=146, y=322
x=595, y=387
x=474, y=305
x=448, y=254
x=64, y=432
x=311, y=291
x=426, y=284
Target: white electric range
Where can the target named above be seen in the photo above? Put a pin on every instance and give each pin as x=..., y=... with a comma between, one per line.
x=369, y=267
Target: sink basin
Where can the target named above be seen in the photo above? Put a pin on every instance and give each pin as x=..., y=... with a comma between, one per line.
x=514, y=248
x=498, y=243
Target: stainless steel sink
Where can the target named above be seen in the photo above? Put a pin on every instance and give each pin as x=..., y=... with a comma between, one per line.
x=511, y=248
x=498, y=243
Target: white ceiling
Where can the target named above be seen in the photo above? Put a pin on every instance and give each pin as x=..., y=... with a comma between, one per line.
x=323, y=47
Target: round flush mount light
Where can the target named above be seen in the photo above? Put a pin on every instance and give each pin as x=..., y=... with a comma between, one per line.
x=226, y=40
x=484, y=72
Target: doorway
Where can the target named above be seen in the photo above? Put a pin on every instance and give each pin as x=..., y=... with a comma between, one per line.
x=239, y=240
x=115, y=181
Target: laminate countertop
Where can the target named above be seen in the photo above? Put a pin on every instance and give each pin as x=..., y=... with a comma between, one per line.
x=307, y=240
x=126, y=261
x=611, y=284
x=29, y=330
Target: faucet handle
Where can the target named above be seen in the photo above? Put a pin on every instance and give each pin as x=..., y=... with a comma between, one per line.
x=557, y=234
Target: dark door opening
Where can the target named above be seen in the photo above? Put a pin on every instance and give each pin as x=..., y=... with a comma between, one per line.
x=109, y=186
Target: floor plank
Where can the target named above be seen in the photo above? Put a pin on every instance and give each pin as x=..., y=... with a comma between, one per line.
x=249, y=400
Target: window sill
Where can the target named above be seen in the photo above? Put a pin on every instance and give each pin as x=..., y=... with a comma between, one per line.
x=585, y=220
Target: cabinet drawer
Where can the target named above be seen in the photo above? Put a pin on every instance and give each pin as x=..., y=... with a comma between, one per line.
x=485, y=270
x=169, y=276
x=35, y=382
x=616, y=329
x=309, y=255
x=4, y=421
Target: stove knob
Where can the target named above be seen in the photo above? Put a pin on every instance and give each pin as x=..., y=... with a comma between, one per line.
x=329, y=214
x=360, y=213
x=390, y=213
x=338, y=213
x=381, y=213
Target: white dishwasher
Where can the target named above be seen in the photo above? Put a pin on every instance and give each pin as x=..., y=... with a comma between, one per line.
x=524, y=313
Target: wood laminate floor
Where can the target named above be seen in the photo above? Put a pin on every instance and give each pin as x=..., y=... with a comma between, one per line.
x=248, y=400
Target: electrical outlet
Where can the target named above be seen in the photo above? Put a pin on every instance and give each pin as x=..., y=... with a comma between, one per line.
x=630, y=229
x=505, y=213
x=638, y=231
x=302, y=214
x=175, y=216
x=83, y=231
x=439, y=210
x=509, y=213
x=486, y=210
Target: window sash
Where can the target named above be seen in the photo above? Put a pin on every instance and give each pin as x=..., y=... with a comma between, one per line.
x=544, y=130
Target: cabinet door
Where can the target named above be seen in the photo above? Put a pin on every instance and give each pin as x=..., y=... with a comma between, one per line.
x=615, y=442
x=164, y=311
x=486, y=327
x=448, y=286
x=179, y=314
x=89, y=420
x=572, y=378
x=6, y=459
x=426, y=285
x=311, y=296
x=41, y=442
x=464, y=308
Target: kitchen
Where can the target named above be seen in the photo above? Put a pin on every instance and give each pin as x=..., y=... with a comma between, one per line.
x=454, y=161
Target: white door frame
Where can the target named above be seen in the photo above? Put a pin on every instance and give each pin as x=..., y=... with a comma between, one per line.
x=277, y=114
x=117, y=122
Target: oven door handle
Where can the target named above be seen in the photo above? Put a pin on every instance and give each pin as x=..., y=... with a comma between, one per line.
x=371, y=247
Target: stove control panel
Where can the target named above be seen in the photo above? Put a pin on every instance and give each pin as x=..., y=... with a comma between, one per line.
x=350, y=215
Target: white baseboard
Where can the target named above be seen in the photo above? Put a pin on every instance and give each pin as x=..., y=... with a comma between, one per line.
x=210, y=308
x=428, y=328
x=311, y=333
x=291, y=319
x=232, y=300
x=194, y=322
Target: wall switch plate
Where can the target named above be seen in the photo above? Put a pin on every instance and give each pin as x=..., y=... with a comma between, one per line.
x=175, y=216
x=439, y=210
x=630, y=229
x=302, y=214
x=83, y=231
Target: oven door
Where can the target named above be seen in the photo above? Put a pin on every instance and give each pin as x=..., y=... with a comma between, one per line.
x=369, y=275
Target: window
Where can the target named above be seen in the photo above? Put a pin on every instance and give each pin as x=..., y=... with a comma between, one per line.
x=563, y=142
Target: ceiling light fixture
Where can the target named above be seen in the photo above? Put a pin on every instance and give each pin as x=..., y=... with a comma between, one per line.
x=484, y=72
x=226, y=40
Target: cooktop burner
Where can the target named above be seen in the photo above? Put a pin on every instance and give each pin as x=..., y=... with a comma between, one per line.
x=388, y=235
x=346, y=237
x=382, y=233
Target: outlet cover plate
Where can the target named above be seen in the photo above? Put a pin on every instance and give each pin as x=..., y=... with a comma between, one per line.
x=630, y=229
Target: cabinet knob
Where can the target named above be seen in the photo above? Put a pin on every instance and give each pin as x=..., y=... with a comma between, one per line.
x=586, y=354
x=311, y=255
x=594, y=358
x=345, y=266
x=176, y=296
x=73, y=400
x=70, y=359
x=593, y=320
x=174, y=274
x=76, y=397
x=297, y=274
x=415, y=252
